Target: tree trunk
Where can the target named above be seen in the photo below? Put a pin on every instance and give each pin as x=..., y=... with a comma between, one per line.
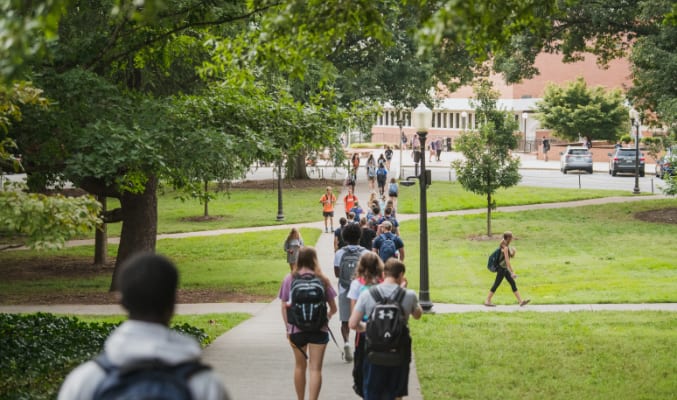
x=206, y=213
x=489, y=214
x=300, y=166
x=101, y=237
x=139, y=225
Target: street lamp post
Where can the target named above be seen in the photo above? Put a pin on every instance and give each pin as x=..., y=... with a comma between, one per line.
x=400, y=123
x=280, y=212
x=635, y=121
x=422, y=120
x=525, y=116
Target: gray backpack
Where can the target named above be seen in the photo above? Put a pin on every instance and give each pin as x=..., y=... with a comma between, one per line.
x=348, y=263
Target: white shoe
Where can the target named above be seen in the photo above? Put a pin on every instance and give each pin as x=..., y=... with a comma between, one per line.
x=347, y=353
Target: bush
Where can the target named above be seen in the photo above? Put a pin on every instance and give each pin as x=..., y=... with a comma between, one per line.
x=39, y=350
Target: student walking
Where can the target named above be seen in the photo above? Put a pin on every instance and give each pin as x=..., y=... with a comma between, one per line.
x=147, y=284
x=308, y=345
x=506, y=271
x=292, y=245
x=387, y=244
x=371, y=172
x=349, y=200
x=386, y=373
x=369, y=273
x=345, y=263
x=381, y=178
x=393, y=191
x=328, y=200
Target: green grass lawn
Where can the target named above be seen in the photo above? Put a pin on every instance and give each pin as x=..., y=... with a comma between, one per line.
x=528, y=355
x=592, y=254
x=248, y=207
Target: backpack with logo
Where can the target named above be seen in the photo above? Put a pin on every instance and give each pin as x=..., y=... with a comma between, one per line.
x=387, y=331
x=347, y=265
x=387, y=248
x=146, y=380
x=308, y=309
x=494, y=260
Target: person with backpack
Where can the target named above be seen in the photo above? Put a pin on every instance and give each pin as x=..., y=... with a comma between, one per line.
x=369, y=273
x=292, y=245
x=305, y=295
x=389, y=156
x=345, y=263
x=349, y=200
x=371, y=172
x=381, y=178
x=388, y=216
x=504, y=270
x=328, y=200
x=393, y=191
x=388, y=343
x=158, y=358
x=368, y=234
x=387, y=244
x=357, y=211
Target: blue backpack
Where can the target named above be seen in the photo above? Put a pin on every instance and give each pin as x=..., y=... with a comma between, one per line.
x=494, y=260
x=148, y=379
x=388, y=248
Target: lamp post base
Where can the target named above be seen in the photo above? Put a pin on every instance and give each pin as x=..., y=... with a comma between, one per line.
x=280, y=217
x=427, y=306
x=636, y=191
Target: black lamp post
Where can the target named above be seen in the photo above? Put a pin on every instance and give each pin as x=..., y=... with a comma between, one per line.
x=525, y=116
x=634, y=119
x=422, y=120
x=280, y=212
x=400, y=123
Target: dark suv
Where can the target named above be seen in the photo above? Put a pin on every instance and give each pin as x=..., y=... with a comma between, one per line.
x=622, y=160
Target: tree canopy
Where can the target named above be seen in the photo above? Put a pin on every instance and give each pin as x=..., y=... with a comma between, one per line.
x=575, y=111
x=488, y=164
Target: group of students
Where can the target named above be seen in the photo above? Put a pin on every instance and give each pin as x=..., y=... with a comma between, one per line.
x=377, y=373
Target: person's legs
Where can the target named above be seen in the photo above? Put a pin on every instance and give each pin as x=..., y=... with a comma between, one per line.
x=500, y=274
x=316, y=358
x=299, y=371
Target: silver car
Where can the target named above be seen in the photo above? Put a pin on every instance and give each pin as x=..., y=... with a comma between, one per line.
x=576, y=158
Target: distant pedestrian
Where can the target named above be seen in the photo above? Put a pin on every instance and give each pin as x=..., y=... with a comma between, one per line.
x=546, y=148
x=381, y=178
x=291, y=246
x=388, y=216
x=357, y=210
x=328, y=200
x=387, y=244
x=381, y=162
x=433, y=152
x=438, y=148
x=371, y=172
x=147, y=284
x=351, y=180
x=308, y=346
x=355, y=161
x=389, y=156
x=349, y=200
x=506, y=271
x=389, y=381
x=393, y=191
x=345, y=264
x=368, y=234
x=338, y=234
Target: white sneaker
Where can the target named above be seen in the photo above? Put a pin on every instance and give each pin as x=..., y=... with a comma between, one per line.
x=347, y=353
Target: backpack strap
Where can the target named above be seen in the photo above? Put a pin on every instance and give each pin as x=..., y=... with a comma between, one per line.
x=376, y=294
x=183, y=370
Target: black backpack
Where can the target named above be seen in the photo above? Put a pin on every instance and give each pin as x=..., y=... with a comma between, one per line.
x=308, y=309
x=387, y=330
x=146, y=380
x=494, y=260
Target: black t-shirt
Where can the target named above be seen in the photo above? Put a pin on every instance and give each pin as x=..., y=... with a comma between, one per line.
x=367, y=238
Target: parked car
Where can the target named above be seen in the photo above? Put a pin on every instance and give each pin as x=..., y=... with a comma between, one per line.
x=576, y=158
x=622, y=160
x=665, y=166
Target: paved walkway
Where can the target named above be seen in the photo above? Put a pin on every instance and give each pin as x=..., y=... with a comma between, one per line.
x=254, y=358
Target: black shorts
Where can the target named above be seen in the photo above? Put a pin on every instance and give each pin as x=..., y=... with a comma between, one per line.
x=301, y=339
x=327, y=213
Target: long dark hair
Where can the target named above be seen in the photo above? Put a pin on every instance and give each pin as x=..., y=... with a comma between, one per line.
x=307, y=258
